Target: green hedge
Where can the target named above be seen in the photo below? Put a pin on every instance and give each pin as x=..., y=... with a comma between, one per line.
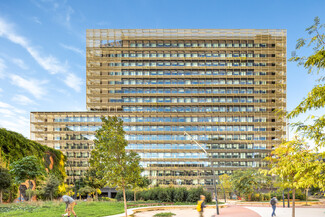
x=267, y=196
x=169, y=194
x=14, y=146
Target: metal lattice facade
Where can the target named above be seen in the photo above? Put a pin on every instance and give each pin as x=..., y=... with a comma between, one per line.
x=223, y=87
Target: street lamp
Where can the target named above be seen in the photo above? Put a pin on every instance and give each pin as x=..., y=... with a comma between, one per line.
x=212, y=168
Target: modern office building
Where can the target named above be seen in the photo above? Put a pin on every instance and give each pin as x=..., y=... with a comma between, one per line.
x=222, y=87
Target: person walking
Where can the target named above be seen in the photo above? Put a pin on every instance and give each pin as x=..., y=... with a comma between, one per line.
x=273, y=203
x=201, y=205
x=70, y=203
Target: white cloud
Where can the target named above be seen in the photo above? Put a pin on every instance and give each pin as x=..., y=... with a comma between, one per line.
x=1, y=90
x=23, y=100
x=74, y=82
x=74, y=49
x=9, y=109
x=69, y=12
x=2, y=68
x=20, y=63
x=15, y=123
x=33, y=86
x=62, y=12
x=14, y=119
x=47, y=62
x=36, y=20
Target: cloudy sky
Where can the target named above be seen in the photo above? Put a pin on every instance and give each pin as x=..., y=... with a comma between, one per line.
x=42, y=43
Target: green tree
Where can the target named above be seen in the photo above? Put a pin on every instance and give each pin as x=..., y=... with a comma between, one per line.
x=94, y=179
x=120, y=169
x=31, y=193
x=27, y=168
x=5, y=181
x=244, y=182
x=225, y=180
x=140, y=183
x=297, y=166
x=51, y=186
x=87, y=190
x=316, y=97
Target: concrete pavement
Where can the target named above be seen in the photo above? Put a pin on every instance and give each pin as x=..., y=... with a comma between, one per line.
x=232, y=211
x=287, y=212
x=239, y=211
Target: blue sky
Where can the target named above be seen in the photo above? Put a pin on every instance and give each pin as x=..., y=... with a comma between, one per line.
x=42, y=43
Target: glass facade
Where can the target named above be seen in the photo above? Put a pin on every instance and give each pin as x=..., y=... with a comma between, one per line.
x=223, y=87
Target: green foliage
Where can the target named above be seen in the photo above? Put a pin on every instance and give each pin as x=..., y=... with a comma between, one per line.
x=164, y=214
x=316, y=97
x=51, y=187
x=5, y=181
x=86, y=190
x=119, y=168
x=55, y=209
x=169, y=194
x=225, y=180
x=180, y=194
x=164, y=195
x=116, y=167
x=107, y=199
x=28, y=168
x=15, y=146
x=94, y=178
x=317, y=41
x=10, y=194
x=297, y=165
x=31, y=193
x=246, y=182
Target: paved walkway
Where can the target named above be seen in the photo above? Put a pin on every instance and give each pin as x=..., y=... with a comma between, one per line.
x=239, y=211
x=287, y=212
x=232, y=211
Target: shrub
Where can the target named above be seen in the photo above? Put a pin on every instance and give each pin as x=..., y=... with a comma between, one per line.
x=194, y=194
x=163, y=195
x=169, y=194
x=107, y=199
x=180, y=195
x=164, y=214
x=267, y=196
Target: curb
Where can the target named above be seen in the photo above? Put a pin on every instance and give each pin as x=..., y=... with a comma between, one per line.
x=155, y=208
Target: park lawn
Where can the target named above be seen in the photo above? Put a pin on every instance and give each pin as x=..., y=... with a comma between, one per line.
x=83, y=209
x=55, y=209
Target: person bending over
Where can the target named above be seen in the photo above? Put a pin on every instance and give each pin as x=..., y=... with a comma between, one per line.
x=70, y=203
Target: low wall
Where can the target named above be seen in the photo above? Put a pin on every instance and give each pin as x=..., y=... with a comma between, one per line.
x=155, y=208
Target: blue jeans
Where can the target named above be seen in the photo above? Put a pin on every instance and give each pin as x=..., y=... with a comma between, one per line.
x=273, y=207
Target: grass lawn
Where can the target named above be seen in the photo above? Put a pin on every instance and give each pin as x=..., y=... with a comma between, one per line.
x=55, y=209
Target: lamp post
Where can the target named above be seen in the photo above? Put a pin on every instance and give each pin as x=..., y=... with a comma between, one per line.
x=214, y=175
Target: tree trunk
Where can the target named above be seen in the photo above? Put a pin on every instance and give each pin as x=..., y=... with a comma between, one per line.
x=293, y=202
x=0, y=196
x=288, y=198
x=306, y=196
x=135, y=196
x=125, y=206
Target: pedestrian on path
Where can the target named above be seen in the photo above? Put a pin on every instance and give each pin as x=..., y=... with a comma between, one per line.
x=70, y=203
x=200, y=205
x=273, y=203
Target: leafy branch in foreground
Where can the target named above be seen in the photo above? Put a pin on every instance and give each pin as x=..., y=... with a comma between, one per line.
x=316, y=97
